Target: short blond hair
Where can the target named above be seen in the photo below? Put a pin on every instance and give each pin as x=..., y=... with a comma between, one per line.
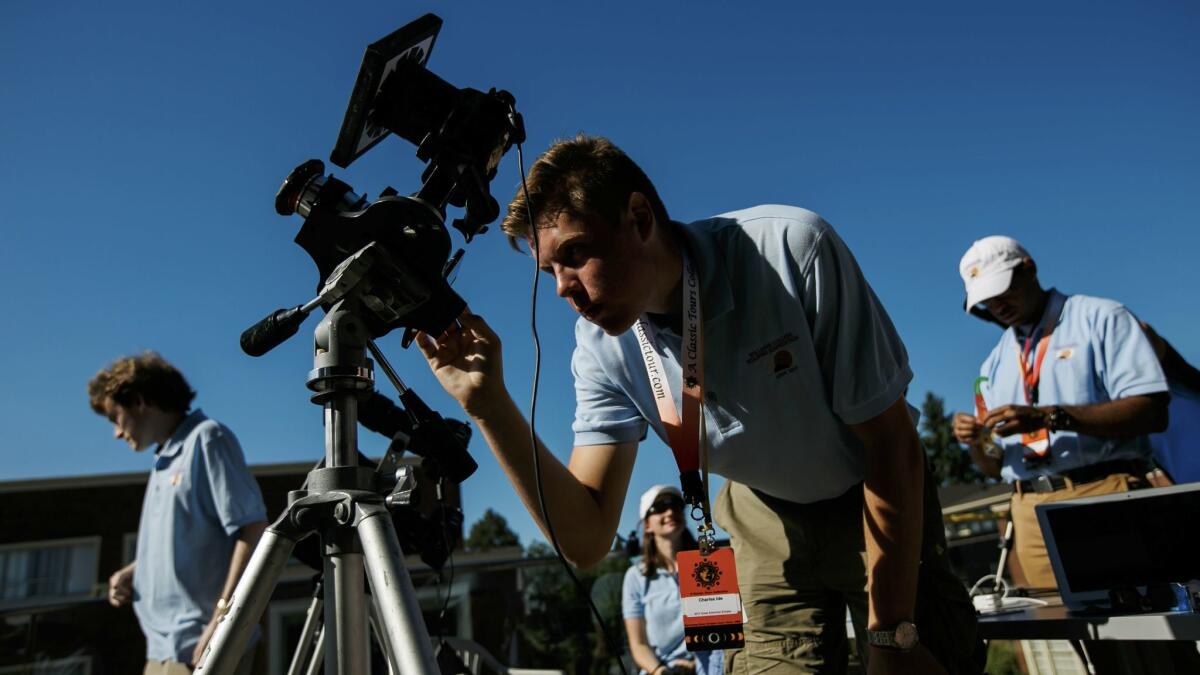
x=583, y=176
x=146, y=377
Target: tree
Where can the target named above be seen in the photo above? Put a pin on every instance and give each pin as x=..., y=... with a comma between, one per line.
x=491, y=531
x=558, y=630
x=947, y=460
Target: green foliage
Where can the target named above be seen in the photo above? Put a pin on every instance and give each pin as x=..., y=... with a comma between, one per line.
x=948, y=461
x=491, y=531
x=1002, y=659
x=559, y=630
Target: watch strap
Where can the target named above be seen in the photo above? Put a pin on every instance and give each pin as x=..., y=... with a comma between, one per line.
x=902, y=637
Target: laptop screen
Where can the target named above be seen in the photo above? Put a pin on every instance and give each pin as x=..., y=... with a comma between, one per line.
x=1130, y=539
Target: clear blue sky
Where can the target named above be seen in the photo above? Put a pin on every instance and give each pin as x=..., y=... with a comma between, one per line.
x=142, y=145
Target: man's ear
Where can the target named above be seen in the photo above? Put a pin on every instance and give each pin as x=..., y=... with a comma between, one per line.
x=641, y=214
x=137, y=404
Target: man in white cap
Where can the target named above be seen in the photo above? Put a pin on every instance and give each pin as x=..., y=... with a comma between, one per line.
x=1072, y=390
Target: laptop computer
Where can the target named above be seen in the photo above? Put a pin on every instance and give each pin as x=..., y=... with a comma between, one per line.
x=1122, y=543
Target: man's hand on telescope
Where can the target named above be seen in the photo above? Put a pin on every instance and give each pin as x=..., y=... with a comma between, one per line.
x=467, y=362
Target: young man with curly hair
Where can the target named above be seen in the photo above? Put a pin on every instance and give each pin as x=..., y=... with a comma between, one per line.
x=201, y=517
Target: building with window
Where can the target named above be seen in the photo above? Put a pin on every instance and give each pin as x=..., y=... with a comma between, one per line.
x=61, y=538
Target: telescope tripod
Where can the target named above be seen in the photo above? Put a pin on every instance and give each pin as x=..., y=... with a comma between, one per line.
x=341, y=505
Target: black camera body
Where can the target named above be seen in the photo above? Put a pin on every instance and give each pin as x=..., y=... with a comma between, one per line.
x=460, y=133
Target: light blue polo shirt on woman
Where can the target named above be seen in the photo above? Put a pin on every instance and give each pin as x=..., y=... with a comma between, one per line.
x=796, y=347
x=655, y=600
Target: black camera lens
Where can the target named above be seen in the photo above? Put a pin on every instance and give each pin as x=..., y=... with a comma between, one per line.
x=287, y=200
x=305, y=187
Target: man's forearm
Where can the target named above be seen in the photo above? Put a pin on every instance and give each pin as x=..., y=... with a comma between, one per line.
x=583, y=523
x=243, y=548
x=1132, y=416
x=892, y=522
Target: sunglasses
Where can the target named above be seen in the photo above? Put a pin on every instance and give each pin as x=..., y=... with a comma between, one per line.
x=664, y=505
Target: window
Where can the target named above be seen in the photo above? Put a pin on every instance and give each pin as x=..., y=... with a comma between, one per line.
x=46, y=570
x=128, y=547
x=72, y=665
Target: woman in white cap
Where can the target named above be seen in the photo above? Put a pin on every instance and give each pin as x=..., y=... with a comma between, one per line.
x=650, y=595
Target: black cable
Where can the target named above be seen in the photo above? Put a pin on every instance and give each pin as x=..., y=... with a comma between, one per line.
x=450, y=557
x=537, y=468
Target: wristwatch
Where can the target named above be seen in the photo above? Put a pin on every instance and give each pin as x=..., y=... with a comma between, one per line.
x=903, y=637
x=1059, y=419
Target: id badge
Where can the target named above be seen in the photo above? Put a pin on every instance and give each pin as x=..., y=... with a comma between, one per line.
x=712, y=606
x=1037, y=444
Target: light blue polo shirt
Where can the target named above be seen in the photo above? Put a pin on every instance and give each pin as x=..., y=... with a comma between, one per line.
x=656, y=601
x=199, y=495
x=796, y=347
x=1097, y=353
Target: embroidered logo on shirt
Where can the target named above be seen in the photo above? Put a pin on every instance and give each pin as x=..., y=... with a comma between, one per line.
x=771, y=346
x=176, y=479
x=1064, y=353
x=784, y=363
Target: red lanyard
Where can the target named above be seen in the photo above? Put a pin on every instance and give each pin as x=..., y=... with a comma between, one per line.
x=683, y=431
x=1031, y=374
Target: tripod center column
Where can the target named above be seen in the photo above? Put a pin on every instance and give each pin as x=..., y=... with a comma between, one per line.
x=341, y=374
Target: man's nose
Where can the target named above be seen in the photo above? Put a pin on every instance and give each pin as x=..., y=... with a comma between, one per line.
x=565, y=282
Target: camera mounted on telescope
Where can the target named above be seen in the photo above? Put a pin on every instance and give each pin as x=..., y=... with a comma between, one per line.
x=382, y=266
x=460, y=133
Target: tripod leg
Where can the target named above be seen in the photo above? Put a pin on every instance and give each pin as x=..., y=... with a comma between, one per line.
x=347, y=650
x=250, y=598
x=312, y=625
x=399, y=611
x=384, y=644
x=314, y=664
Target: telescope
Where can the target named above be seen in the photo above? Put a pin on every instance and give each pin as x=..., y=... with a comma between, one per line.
x=381, y=265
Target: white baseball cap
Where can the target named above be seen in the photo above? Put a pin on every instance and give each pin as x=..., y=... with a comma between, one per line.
x=987, y=267
x=653, y=493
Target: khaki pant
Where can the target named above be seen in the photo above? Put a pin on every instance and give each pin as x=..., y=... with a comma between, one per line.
x=1028, y=543
x=166, y=668
x=245, y=666
x=1159, y=657
x=800, y=566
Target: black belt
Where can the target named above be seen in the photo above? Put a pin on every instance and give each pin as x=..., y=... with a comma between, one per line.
x=1084, y=474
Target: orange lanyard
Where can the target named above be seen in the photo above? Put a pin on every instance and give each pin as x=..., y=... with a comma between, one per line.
x=684, y=430
x=1031, y=374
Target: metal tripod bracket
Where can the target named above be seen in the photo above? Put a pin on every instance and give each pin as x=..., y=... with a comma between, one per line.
x=340, y=504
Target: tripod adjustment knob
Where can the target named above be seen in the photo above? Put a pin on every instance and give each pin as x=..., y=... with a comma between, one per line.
x=342, y=512
x=401, y=495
